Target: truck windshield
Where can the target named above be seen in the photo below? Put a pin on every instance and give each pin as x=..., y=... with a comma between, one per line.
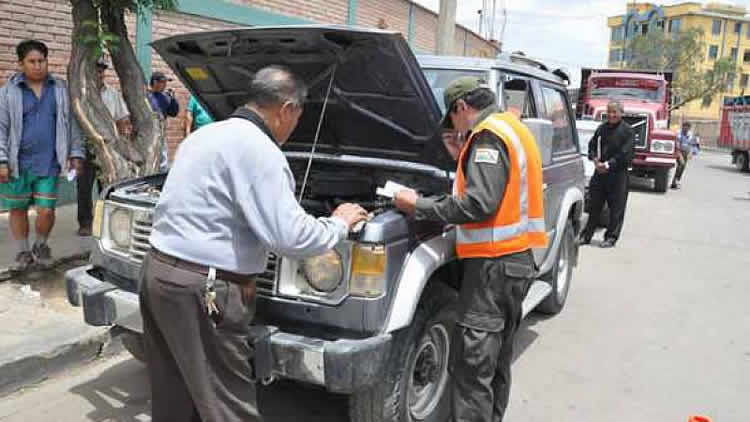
x=620, y=88
x=439, y=79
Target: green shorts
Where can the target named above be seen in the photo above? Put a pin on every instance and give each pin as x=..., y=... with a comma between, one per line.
x=27, y=189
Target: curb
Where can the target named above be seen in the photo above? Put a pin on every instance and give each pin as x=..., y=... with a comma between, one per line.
x=40, y=363
x=6, y=274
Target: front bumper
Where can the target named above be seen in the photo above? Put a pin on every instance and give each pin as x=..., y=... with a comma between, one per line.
x=341, y=366
x=654, y=162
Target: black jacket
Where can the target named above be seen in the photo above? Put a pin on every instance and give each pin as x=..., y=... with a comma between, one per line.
x=616, y=143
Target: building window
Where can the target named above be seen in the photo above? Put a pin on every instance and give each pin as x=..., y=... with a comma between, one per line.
x=615, y=55
x=660, y=24
x=617, y=33
x=734, y=54
x=746, y=57
x=743, y=80
x=706, y=103
x=730, y=80
x=713, y=52
x=716, y=28
x=738, y=28
x=674, y=25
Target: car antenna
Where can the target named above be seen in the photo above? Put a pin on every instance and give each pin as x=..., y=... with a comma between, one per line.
x=317, y=134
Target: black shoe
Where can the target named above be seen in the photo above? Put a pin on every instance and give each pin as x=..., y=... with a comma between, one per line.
x=84, y=231
x=675, y=185
x=583, y=240
x=22, y=263
x=608, y=243
x=42, y=255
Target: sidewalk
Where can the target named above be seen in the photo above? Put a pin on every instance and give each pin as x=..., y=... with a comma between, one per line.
x=40, y=332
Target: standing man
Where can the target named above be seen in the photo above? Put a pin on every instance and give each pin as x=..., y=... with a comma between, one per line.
x=228, y=201
x=196, y=116
x=687, y=144
x=164, y=103
x=611, y=150
x=498, y=209
x=39, y=138
x=85, y=182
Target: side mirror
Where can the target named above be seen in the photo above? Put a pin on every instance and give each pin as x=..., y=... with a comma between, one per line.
x=543, y=133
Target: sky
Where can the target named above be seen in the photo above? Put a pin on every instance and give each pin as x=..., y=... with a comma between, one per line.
x=562, y=33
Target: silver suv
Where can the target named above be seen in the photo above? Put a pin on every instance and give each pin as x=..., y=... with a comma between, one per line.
x=376, y=320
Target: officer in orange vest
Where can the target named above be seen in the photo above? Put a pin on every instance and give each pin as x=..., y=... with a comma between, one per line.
x=498, y=210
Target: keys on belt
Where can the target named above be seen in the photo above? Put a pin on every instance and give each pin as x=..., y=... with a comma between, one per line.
x=210, y=295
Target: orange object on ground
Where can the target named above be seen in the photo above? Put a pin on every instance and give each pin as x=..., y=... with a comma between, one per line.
x=699, y=419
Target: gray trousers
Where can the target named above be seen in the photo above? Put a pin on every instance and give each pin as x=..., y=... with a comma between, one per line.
x=491, y=296
x=199, y=368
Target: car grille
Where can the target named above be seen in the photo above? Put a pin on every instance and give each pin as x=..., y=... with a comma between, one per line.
x=266, y=282
x=139, y=247
x=640, y=127
x=139, y=234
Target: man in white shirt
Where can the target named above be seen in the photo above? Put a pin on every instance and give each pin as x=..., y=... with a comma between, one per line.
x=114, y=103
x=228, y=201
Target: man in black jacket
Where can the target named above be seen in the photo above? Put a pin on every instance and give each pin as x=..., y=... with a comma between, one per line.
x=611, y=150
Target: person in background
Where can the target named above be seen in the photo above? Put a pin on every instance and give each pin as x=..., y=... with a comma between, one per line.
x=611, y=150
x=39, y=139
x=498, y=208
x=115, y=104
x=164, y=103
x=196, y=116
x=687, y=145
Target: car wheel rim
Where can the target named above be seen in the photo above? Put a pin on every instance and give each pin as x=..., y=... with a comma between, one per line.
x=562, y=270
x=428, y=375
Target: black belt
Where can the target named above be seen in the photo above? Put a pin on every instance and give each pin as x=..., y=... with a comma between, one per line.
x=202, y=269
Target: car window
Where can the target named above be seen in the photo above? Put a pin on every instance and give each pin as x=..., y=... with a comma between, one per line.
x=517, y=95
x=439, y=79
x=563, y=140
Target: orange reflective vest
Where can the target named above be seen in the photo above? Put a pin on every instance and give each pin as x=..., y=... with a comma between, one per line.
x=518, y=223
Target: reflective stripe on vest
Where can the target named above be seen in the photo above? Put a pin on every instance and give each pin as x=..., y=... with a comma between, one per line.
x=514, y=227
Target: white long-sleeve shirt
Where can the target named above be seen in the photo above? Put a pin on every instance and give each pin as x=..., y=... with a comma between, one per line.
x=229, y=200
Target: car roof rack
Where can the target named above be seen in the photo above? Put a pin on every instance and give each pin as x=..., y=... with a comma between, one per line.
x=521, y=58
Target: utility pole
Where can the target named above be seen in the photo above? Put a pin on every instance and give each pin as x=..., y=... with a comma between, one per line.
x=446, y=27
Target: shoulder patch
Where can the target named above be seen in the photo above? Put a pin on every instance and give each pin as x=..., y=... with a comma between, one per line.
x=487, y=155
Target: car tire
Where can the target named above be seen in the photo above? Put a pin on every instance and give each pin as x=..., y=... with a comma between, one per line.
x=133, y=343
x=741, y=161
x=661, y=181
x=417, y=384
x=562, y=273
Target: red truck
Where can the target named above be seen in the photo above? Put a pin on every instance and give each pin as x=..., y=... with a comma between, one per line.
x=646, y=97
x=734, y=132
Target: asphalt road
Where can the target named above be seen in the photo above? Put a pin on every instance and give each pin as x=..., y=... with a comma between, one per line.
x=656, y=329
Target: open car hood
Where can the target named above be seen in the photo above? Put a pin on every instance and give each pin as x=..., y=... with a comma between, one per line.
x=380, y=105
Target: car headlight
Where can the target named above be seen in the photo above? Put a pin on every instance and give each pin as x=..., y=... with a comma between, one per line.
x=323, y=272
x=119, y=228
x=662, y=146
x=368, y=271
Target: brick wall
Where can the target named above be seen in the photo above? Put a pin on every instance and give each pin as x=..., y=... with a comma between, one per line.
x=50, y=21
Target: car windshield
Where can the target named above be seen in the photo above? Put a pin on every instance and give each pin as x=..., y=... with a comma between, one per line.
x=639, y=89
x=439, y=79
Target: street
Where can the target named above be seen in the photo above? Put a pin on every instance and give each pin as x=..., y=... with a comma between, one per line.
x=656, y=329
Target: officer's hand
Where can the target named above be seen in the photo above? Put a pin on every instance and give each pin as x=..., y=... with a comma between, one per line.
x=406, y=201
x=4, y=173
x=77, y=165
x=350, y=213
x=601, y=168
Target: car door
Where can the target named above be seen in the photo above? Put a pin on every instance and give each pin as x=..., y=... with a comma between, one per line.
x=517, y=95
x=565, y=167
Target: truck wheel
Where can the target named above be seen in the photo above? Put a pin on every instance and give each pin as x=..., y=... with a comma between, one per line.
x=133, y=343
x=741, y=161
x=561, y=274
x=661, y=182
x=417, y=383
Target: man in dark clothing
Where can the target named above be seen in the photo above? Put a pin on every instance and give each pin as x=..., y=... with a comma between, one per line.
x=498, y=224
x=164, y=103
x=611, y=150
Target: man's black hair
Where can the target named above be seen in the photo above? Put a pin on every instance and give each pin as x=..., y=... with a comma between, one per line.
x=25, y=47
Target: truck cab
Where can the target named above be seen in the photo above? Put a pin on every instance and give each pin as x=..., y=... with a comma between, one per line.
x=645, y=96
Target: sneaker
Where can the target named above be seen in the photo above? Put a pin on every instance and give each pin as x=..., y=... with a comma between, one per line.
x=584, y=241
x=608, y=243
x=42, y=255
x=22, y=263
x=675, y=185
x=84, y=231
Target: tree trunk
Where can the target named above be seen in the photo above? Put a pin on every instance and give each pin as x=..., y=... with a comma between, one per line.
x=118, y=157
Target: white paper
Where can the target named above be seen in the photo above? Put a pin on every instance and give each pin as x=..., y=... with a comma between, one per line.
x=390, y=189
